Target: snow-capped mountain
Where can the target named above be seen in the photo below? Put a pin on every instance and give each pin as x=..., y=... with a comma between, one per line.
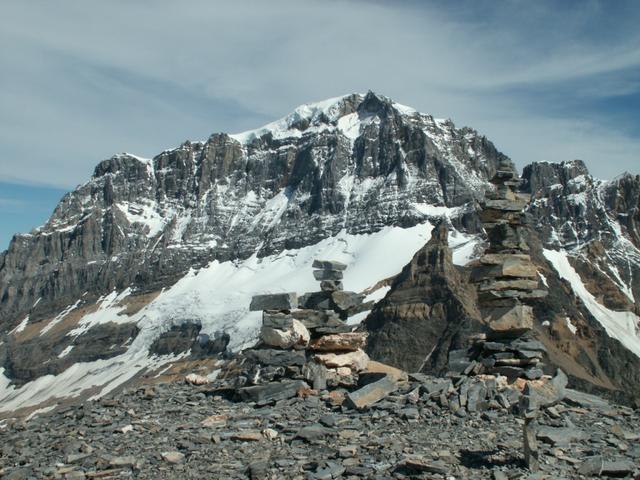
x=188, y=236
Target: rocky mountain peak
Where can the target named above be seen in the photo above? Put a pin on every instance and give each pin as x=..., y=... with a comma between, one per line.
x=539, y=178
x=149, y=245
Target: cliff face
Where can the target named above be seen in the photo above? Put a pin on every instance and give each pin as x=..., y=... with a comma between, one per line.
x=598, y=221
x=577, y=242
x=356, y=163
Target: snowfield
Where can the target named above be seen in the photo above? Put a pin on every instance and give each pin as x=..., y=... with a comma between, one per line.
x=622, y=326
x=218, y=297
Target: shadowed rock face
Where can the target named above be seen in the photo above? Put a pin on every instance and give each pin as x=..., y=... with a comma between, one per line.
x=429, y=310
x=27, y=360
x=146, y=222
x=187, y=338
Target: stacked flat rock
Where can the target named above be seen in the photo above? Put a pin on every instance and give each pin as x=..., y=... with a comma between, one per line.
x=507, y=283
x=304, y=341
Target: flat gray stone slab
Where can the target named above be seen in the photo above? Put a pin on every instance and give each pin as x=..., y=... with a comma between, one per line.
x=372, y=393
x=271, y=392
x=328, y=274
x=329, y=265
x=274, y=301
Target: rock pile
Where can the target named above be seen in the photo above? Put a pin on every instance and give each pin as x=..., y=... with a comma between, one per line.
x=507, y=283
x=176, y=430
x=502, y=369
x=305, y=343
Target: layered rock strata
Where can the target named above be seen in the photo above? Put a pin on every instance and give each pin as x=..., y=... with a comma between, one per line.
x=429, y=311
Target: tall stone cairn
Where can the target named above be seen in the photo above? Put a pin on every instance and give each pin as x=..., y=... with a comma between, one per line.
x=507, y=283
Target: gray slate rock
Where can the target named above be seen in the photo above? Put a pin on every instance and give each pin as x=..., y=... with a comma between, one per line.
x=274, y=301
x=271, y=392
x=328, y=265
x=371, y=393
x=276, y=358
x=328, y=274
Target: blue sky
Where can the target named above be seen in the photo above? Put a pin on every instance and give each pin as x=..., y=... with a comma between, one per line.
x=84, y=79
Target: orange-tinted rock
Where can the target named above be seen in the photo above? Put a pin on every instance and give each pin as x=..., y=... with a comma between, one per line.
x=356, y=361
x=383, y=368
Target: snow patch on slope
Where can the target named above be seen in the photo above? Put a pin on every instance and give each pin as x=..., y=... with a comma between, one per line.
x=109, y=310
x=61, y=316
x=315, y=113
x=622, y=326
x=218, y=297
x=103, y=375
x=21, y=326
x=144, y=214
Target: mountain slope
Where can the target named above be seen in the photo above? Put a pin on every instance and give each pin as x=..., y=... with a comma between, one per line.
x=344, y=169
x=149, y=245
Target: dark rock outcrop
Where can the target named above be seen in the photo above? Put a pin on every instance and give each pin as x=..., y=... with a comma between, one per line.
x=430, y=310
x=24, y=360
x=186, y=337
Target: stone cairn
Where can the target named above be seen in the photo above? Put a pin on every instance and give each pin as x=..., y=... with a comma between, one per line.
x=507, y=283
x=307, y=348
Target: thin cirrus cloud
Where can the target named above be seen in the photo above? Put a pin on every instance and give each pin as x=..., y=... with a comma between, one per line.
x=85, y=79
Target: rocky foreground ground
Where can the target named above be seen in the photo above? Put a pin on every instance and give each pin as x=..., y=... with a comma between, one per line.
x=177, y=430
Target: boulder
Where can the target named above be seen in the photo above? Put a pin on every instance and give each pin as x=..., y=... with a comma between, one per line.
x=560, y=435
x=348, y=342
x=346, y=300
x=173, y=457
x=316, y=374
x=514, y=320
x=328, y=265
x=458, y=360
x=316, y=301
x=314, y=432
x=619, y=468
x=525, y=344
x=319, y=331
x=508, y=295
x=547, y=392
x=511, y=284
x=374, y=367
x=504, y=205
x=274, y=301
x=515, y=266
x=296, y=336
x=356, y=361
x=331, y=285
x=581, y=399
x=317, y=318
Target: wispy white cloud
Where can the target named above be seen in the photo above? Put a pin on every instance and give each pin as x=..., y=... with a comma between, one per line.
x=82, y=80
